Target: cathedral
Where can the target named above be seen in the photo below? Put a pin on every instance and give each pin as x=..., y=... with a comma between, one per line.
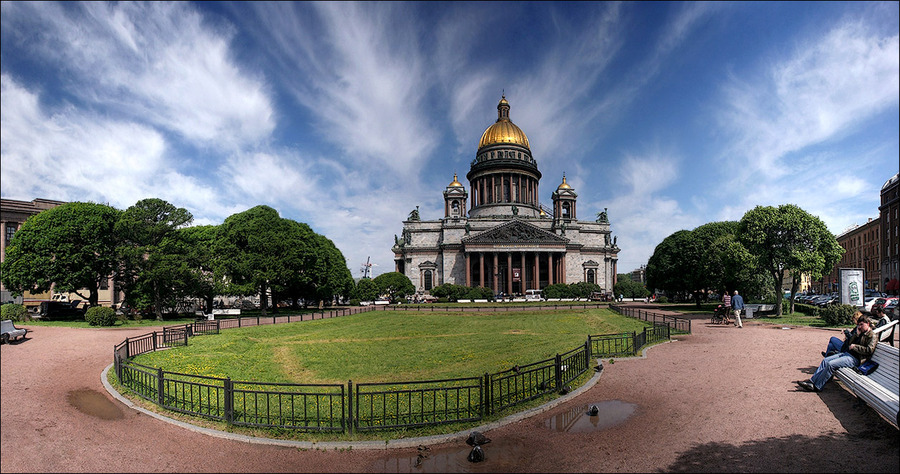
x=497, y=234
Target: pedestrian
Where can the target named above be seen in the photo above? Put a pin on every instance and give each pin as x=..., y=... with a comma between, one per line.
x=860, y=349
x=737, y=305
x=726, y=301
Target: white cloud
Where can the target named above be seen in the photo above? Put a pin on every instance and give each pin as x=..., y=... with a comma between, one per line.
x=358, y=69
x=830, y=85
x=155, y=62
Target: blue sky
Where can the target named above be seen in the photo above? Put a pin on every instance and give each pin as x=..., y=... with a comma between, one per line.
x=346, y=116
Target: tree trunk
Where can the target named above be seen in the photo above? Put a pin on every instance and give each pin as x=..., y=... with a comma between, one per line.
x=157, y=307
x=209, y=304
x=778, y=276
x=795, y=285
x=263, y=299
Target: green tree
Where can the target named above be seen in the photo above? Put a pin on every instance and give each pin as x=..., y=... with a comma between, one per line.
x=628, y=288
x=787, y=238
x=202, y=281
x=152, y=254
x=366, y=290
x=394, y=284
x=676, y=266
x=583, y=289
x=257, y=248
x=70, y=248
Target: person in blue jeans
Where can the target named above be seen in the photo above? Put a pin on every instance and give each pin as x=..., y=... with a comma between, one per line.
x=860, y=349
x=737, y=305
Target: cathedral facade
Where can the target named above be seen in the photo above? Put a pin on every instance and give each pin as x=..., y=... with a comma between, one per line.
x=496, y=233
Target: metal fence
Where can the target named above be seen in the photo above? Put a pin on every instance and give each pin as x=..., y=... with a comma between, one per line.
x=367, y=406
x=676, y=323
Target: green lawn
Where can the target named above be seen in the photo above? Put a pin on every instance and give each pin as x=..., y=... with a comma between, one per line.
x=388, y=346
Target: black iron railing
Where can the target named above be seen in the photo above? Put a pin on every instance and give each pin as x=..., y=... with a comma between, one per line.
x=367, y=406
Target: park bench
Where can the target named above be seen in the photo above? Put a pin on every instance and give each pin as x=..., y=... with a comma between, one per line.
x=885, y=333
x=11, y=332
x=879, y=389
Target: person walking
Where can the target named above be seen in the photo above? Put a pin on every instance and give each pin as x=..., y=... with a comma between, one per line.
x=737, y=305
x=726, y=301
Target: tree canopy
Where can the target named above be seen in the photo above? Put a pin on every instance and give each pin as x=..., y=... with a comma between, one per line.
x=153, y=254
x=788, y=239
x=69, y=248
x=395, y=285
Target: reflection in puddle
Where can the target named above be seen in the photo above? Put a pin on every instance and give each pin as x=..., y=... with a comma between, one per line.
x=499, y=456
x=577, y=420
x=92, y=402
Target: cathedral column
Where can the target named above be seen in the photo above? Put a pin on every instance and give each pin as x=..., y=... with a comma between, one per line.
x=468, y=269
x=481, y=268
x=509, y=273
x=523, y=276
x=562, y=268
x=495, y=272
x=537, y=270
x=549, y=268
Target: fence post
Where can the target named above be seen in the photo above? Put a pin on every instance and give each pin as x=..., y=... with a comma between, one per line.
x=587, y=353
x=350, y=406
x=634, y=341
x=127, y=348
x=154, y=339
x=487, y=395
x=185, y=338
x=229, y=401
x=160, y=387
x=557, y=368
x=239, y=320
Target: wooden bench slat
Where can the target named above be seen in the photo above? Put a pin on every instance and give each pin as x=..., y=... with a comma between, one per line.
x=880, y=389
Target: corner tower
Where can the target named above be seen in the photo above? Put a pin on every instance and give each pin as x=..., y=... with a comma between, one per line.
x=504, y=177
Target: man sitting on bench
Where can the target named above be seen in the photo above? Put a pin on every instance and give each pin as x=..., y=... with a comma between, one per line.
x=862, y=345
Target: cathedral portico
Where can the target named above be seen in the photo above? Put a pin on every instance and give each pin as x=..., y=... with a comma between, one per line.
x=498, y=235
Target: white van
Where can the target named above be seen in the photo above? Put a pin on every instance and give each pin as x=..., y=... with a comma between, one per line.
x=533, y=295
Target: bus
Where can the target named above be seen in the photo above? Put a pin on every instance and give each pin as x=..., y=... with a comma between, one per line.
x=533, y=295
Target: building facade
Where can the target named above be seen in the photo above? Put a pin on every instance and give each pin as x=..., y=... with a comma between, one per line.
x=862, y=246
x=889, y=215
x=496, y=233
x=13, y=214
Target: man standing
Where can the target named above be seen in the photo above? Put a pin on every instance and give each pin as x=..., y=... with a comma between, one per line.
x=737, y=304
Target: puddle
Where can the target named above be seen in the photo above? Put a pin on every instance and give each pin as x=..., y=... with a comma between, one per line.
x=499, y=456
x=577, y=420
x=92, y=402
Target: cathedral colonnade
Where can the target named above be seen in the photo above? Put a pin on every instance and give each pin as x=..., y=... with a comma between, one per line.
x=514, y=272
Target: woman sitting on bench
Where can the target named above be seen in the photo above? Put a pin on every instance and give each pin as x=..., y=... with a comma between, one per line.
x=859, y=349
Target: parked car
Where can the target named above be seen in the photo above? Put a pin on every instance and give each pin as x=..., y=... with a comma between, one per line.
x=56, y=310
x=868, y=302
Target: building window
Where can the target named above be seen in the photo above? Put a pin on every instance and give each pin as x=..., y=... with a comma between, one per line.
x=10, y=231
x=427, y=281
x=591, y=277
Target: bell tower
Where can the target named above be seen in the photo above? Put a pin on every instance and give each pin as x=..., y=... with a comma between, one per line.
x=564, y=203
x=455, y=200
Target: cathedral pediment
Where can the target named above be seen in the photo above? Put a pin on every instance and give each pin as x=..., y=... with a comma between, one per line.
x=515, y=232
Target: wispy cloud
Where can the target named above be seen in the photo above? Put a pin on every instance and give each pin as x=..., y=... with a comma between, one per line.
x=156, y=63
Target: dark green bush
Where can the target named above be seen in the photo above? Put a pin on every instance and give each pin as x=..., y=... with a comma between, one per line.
x=354, y=302
x=100, y=316
x=837, y=314
x=662, y=299
x=13, y=311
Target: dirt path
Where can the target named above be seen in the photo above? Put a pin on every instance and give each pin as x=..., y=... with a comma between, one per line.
x=721, y=399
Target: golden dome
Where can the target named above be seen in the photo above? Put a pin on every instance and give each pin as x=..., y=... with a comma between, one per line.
x=455, y=182
x=503, y=131
x=564, y=184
